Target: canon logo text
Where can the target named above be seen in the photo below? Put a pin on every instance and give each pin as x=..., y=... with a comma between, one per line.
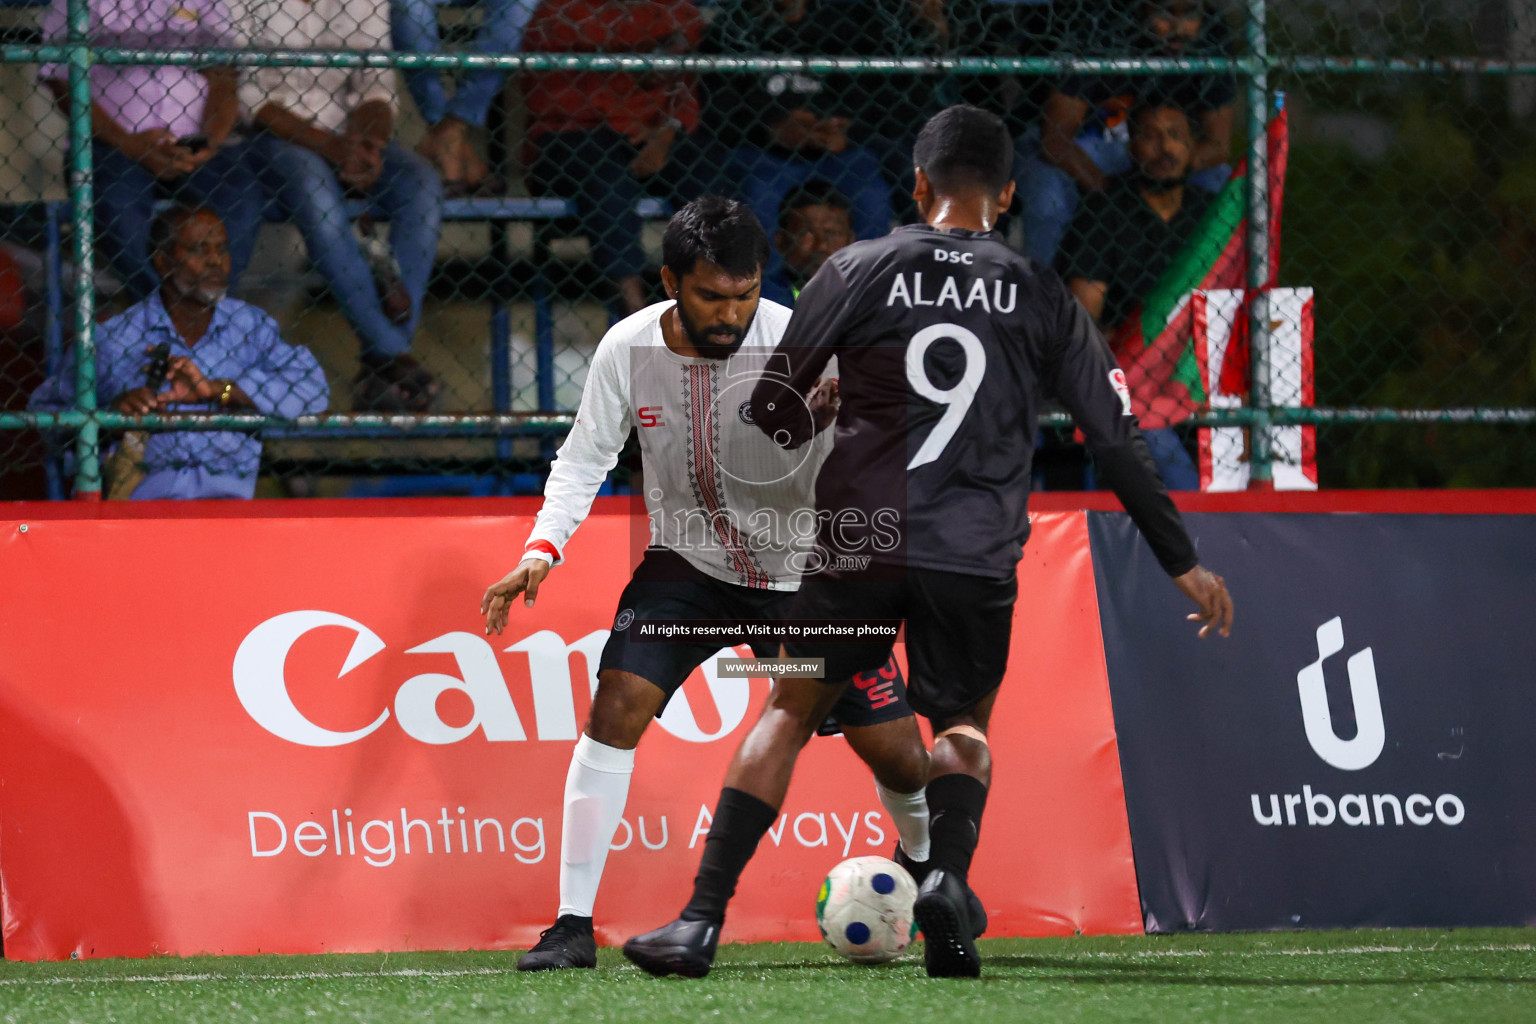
x=262, y=688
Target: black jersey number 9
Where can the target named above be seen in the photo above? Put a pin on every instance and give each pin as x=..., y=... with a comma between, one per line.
x=957, y=400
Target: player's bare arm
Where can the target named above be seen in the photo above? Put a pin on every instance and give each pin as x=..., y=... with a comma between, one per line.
x=525, y=580
x=1209, y=592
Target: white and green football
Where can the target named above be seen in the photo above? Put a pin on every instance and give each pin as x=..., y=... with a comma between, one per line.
x=864, y=909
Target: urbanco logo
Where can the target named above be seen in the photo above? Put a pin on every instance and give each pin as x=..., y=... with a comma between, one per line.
x=262, y=688
x=1318, y=808
x=1370, y=732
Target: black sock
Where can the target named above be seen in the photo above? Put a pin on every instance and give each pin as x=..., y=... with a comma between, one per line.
x=739, y=823
x=955, y=804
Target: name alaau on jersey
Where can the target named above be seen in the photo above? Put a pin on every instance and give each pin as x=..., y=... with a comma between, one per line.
x=975, y=290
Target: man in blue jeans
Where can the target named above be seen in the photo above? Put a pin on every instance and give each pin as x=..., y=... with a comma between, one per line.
x=160, y=131
x=324, y=134
x=414, y=27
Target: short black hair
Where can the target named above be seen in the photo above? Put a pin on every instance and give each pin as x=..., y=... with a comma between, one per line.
x=964, y=147
x=816, y=192
x=716, y=230
x=167, y=224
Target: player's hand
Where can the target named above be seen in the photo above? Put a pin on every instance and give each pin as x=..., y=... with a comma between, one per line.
x=1209, y=592
x=824, y=401
x=525, y=580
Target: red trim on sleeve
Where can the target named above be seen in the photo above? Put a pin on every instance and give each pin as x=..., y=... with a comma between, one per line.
x=544, y=546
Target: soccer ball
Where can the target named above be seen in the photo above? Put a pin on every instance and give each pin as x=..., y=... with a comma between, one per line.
x=864, y=909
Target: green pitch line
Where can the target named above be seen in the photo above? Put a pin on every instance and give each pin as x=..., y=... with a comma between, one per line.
x=1392, y=977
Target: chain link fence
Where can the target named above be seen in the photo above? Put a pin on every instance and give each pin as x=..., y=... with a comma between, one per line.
x=367, y=247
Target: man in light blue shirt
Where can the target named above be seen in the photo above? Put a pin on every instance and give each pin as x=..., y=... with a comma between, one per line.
x=226, y=356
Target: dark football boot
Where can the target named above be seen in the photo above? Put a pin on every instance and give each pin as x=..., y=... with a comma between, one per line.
x=943, y=915
x=918, y=869
x=567, y=943
x=682, y=947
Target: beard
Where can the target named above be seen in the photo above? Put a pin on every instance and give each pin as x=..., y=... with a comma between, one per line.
x=703, y=339
x=201, y=291
x=209, y=295
x=1144, y=182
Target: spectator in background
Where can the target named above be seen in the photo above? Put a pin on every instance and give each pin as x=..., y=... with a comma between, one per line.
x=226, y=356
x=414, y=27
x=989, y=28
x=159, y=130
x=813, y=224
x=1084, y=134
x=782, y=128
x=324, y=134
x=1123, y=239
x=602, y=139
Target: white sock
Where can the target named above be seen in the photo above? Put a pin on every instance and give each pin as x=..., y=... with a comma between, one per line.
x=909, y=812
x=596, y=789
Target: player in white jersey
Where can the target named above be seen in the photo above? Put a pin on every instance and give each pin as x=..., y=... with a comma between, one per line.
x=732, y=520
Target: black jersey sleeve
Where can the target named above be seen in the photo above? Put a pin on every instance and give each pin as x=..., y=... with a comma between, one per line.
x=807, y=346
x=1077, y=368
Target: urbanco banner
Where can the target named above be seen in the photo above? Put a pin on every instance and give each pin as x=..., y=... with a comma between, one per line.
x=278, y=734
x=1361, y=752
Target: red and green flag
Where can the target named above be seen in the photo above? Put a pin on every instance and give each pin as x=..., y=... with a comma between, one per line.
x=1155, y=344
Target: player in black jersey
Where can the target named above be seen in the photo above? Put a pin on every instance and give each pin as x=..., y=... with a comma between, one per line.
x=945, y=339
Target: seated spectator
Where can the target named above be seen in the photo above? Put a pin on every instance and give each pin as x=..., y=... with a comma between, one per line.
x=1083, y=133
x=1122, y=240
x=324, y=134
x=813, y=224
x=413, y=24
x=601, y=138
x=781, y=129
x=226, y=356
x=159, y=130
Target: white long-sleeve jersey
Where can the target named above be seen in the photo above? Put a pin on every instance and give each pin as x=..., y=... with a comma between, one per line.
x=718, y=491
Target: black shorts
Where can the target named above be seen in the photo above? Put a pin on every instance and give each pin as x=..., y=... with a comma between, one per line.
x=957, y=630
x=665, y=587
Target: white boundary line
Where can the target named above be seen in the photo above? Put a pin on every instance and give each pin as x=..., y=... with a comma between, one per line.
x=106, y=979
x=1345, y=950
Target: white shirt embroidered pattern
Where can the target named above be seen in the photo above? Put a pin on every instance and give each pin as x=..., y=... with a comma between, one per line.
x=717, y=490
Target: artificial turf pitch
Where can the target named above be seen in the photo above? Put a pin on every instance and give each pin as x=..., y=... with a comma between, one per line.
x=1481, y=975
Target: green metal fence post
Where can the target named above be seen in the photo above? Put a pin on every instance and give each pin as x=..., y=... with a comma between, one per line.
x=1261, y=472
x=87, y=443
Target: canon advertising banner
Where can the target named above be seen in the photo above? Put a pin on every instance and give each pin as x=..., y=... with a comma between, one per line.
x=274, y=734
x=1361, y=752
